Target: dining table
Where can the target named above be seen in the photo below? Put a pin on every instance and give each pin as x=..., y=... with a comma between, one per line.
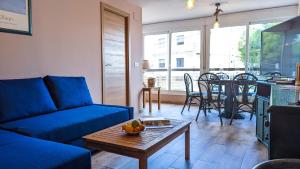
x=228, y=105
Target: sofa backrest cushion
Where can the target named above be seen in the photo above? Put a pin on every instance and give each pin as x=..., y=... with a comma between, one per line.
x=68, y=92
x=23, y=98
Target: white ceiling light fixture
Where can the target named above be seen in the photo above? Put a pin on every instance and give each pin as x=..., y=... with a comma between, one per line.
x=190, y=4
x=216, y=14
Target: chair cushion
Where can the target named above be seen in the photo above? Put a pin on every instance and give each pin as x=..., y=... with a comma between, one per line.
x=23, y=98
x=68, y=92
x=194, y=94
x=67, y=125
x=215, y=96
x=21, y=152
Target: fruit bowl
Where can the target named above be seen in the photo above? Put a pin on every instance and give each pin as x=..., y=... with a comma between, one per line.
x=133, y=128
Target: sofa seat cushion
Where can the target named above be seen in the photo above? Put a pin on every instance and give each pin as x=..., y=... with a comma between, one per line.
x=67, y=125
x=22, y=152
x=23, y=98
x=68, y=92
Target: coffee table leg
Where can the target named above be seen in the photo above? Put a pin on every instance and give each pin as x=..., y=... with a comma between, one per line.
x=187, y=144
x=143, y=163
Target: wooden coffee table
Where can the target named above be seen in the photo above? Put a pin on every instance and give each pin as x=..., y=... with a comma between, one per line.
x=114, y=140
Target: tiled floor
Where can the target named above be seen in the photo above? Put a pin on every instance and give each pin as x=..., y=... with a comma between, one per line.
x=212, y=146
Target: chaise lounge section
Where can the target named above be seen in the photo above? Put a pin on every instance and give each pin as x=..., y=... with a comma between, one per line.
x=22, y=152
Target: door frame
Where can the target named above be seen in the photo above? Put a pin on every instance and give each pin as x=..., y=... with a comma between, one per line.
x=109, y=8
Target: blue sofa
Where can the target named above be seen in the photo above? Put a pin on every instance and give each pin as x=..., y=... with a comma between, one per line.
x=40, y=117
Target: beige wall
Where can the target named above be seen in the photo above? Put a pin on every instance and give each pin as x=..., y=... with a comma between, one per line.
x=66, y=41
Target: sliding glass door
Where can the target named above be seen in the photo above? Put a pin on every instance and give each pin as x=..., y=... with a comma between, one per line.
x=255, y=45
x=231, y=50
x=170, y=56
x=226, y=50
x=185, y=57
x=156, y=50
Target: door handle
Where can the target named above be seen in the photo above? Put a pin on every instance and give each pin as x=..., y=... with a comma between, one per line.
x=267, y=124
x=108, y=65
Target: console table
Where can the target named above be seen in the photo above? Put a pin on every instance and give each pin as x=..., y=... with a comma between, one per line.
x=149, y=90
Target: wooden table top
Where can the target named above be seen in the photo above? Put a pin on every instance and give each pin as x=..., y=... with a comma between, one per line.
x=114, y=136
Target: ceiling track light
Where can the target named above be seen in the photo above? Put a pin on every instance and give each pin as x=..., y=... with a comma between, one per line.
x=216, y=14
x=190, y=4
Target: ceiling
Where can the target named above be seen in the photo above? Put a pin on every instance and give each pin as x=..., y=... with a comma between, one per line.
x=168, y=10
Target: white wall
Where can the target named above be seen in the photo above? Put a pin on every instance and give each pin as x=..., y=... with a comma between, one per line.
x=299, y=8
x=66, y=41
x=234, y=19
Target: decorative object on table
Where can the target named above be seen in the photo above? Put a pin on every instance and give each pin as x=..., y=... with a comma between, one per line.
x=297, y=82
x=133, y=128
x=145, y=67
x=15, y=16
x=155, y=122
x=216, y=14
x=146, y=64
x=151, y=82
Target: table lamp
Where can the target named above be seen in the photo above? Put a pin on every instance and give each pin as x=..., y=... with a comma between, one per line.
x=150, y=80
x=146, y=65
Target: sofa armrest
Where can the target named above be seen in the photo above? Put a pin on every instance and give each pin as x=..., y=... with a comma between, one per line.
x=130, y=109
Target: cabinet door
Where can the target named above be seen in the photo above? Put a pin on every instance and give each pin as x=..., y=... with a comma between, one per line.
x=259, y=119
x=266, y=124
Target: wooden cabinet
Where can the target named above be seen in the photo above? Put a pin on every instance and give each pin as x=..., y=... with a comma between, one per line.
x=277, y=119
x=262, y=120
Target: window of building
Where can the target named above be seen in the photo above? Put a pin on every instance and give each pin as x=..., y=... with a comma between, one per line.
x=162, y=63
x=180, y=62
x=185, y=59
x=156, y=49
x=161, y=43
x=180, y=39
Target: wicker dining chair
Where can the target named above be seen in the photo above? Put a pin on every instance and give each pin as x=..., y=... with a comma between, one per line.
x=244, y=88
x=272, y=75
x=190, y=94
x=223, y=76
x=208, y=99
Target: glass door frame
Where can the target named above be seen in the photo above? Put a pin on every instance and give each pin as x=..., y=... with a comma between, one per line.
x=207, y=34
x=169, y=68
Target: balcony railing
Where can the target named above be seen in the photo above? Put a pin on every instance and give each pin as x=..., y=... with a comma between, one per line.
x=176, y=81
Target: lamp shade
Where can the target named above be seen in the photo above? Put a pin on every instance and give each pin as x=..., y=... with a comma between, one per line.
x=146, y=64
x=190, y=4
x=216, y=24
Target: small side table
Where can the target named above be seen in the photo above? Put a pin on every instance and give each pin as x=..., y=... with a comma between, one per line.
x=149, y=90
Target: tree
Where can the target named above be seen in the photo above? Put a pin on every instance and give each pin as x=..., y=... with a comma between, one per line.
x=270, y=44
